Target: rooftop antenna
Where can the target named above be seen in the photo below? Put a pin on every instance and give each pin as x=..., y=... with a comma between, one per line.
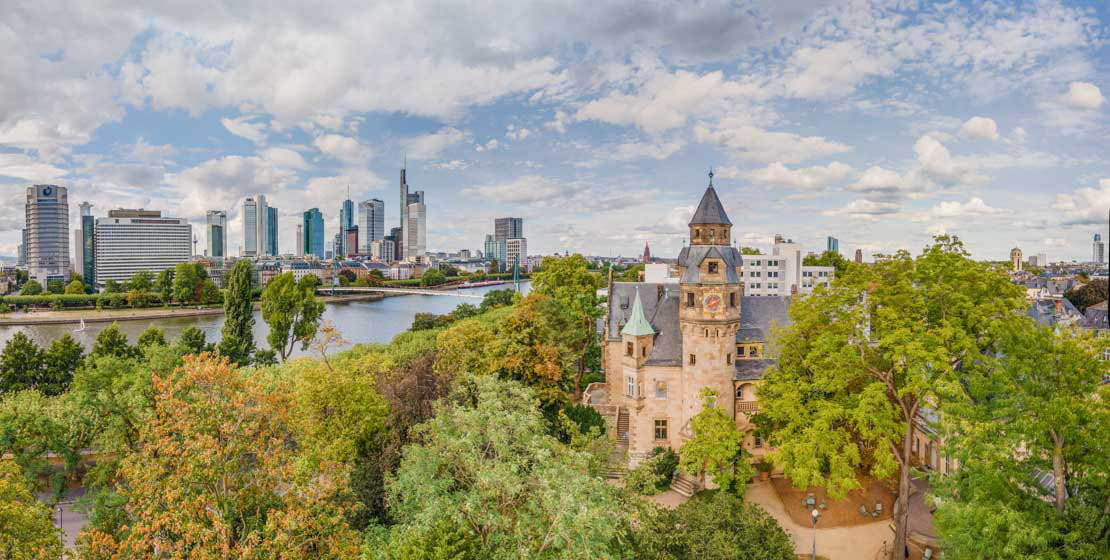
x=710, y=176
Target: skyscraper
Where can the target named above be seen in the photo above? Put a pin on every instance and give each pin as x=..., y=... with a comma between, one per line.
x=371, y=223
x=88, y=244
x=298, y=250
x=262, y=226
x=1098, y=250
x=404, y=214
x=417, y=243
x=47, y=241
x=833, y=245
x=508, y=228
x=250, y=227
x=216, y=223
x=346, y=222
x=272, y=232
x=314, y=233
x=128, y=241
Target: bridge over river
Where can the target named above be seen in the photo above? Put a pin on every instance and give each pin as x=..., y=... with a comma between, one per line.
x=329, y=290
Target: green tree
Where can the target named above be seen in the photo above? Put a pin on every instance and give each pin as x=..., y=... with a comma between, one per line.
x=31, y=288
x=291, y=310
x=1041, y=408
x=76, y=287
x=497, y=298
x=56, y=287
x=830, y=258
x=432, y=277
x=717, y=448
x=21, y=364
x=138, y=298
x=61, y=360
x=712, y=526
x=112, y=287
x=193, y=340
x=860, y=360
x=150, y=337
x=1088, y=294
x=569, y=282
x=749, y=251
x=631, y=274
x=494, y=266
x=142, y=281
x=26, y=529
x=524, y=496
x=112, y=342
x=187, y=283
x=164, y=286
x=237, y=336
x=118, y=392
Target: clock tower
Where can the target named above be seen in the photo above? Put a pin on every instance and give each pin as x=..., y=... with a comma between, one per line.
x=709, y=308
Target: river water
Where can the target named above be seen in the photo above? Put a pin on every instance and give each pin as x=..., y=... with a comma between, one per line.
x=358, y=321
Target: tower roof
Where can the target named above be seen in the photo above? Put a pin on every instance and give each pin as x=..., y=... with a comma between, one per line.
x=637, y=324
x=710, y=210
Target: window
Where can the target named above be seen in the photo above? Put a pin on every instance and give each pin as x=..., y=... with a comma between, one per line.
x=773, y=274
x=758, y=441
x=732, y=299
x=697, y=234
x=755, y=351
x=689, y=299
x=661, y=390
x=630, y=387
x=712, y=234
x=728, y=358
x=693, y=359
x=807, y=274
x=739, y=392
x=643, y=351
x=713, y=267
x=755, y=274
x=741, y=350
x=628, y=348
x=756, y=263
x=660, y=429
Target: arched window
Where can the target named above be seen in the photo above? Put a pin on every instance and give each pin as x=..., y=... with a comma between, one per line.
x=739, y=392
x=712, y=234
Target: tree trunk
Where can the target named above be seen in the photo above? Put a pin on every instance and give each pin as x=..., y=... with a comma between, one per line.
x=902, y=506
x=1058, y=470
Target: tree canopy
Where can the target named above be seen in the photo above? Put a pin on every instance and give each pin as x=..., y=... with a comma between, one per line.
x=569, y=283
x=1088, y=294
x=713, y=526
x=291, y=310
x=716, y=448
x=237, y=335
x=26, y=529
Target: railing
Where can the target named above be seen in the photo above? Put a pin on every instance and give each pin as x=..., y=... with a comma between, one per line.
x=747, y=406
x=413, y=291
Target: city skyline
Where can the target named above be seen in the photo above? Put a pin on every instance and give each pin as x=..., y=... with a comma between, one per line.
x=1000, y=146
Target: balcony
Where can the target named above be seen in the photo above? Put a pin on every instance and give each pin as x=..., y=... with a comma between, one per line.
x=747, y=407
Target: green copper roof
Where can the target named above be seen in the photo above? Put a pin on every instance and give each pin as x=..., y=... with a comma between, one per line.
x=637, y=325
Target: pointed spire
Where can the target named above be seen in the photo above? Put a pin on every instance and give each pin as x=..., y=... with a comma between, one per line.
x=637, y=325
x=710, y=210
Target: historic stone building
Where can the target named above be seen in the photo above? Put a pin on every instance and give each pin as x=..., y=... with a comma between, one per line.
x=665, y=342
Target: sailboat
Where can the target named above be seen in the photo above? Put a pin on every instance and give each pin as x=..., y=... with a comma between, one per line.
x=82, y=326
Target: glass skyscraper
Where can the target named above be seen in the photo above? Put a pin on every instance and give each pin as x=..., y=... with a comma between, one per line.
x=271, y=231
x=314, y=233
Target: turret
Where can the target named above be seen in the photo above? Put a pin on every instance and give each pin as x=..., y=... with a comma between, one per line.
x=637, y=335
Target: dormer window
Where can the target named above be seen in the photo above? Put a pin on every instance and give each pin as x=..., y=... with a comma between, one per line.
x=712, y=265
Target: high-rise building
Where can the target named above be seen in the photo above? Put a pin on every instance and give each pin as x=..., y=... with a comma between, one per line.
x=128, y=241
x=859, y=256
x=516, y=252
x=314, y=233
x=371, y=222
x=88, y=244
x=78, y=254
x=416, y=245
x=508, y=228
x=272, y=232
x=832, y=244
x=1015, y=259
x=404, y=214
x=47, y=239
x=216, y=224
x=495, y=250
x=383, y=249
x=346, y=222
x=262, y=225
x=351, y=242
x=250, y=227
x=298, y=250
x=22, y=249
x=1098, y=250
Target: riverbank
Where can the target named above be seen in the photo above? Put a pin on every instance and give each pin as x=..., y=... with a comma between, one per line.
x=75, y=316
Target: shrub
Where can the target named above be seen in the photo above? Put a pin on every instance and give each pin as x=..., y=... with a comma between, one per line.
x=654, y=474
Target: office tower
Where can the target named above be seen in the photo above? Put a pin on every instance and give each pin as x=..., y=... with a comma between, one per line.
x=272, y=232
x=346, y=222
x=382, y=250
x=87, y=248
x=859, y=256
x=1098, y=250
x=22, y=249
x=832, y=244
x=298, y=250
x=128, y=241
x=1042, y=260
x=416, y=230
x=495, y=249
x=47, y=240
x=262, y=226
x=1015, y=259
x=314, y=233
x=337, y=246
x=371, y=222
x=350, y=242
x=216, y=225
x=404, y=214
x=250, y=227
x=508, y=228
x=516, y=252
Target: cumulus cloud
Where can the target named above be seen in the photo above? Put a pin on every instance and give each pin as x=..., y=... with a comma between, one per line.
x=756, y=144
x=817, y=177
x=242, y=126
x=1083, y=95
x=342, y=148
x=937, y=164
x=864, y=209
x=429, y=146
x=878, y=180
x=980, y=128
x=974, y=207
x=547, y=192
x=834, y=70
x=1086, y=206
x=23, y=167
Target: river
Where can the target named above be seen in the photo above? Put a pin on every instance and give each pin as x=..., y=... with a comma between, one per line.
x=358, y=321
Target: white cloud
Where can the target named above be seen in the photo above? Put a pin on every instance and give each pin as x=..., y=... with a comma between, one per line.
x=1087, y=206
x=937, y=164
x=342, y=148
x=242, y=126
x=1083, y=95
x=756, y=144
x=547, y=192
x=512, y=132
x=878, y=180
x=809, y=178
x=980, y=128
x=429, y=146
x=21, y=166
x=1019, y=135
x=864, y=209
x=833, y=70
x=974, y=207
x=559, y=123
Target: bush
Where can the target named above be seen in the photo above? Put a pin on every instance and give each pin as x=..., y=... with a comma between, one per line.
x=653, y=475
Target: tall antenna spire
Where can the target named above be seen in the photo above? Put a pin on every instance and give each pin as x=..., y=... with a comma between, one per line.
x=711, y=176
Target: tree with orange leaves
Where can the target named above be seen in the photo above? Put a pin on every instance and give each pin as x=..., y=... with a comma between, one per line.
x=215, y=476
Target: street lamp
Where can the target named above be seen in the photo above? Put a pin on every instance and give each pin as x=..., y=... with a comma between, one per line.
x=816, y=514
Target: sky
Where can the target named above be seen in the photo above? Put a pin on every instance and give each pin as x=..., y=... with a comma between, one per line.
x=879, y=123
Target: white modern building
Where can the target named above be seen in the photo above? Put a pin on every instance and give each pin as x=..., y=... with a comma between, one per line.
x=416, y=246
x=299, y=249
x=300, y=269
x=250, y=227
x=46, y=240
x=1098, y=250
x=128, y=241
x=216, y=225
x=383, y=250
x=516, y=251
x=782, y=272
x=371, y=223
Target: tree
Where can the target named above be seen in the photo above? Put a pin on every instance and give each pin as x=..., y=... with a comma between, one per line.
x=524, y=496
x=164, y=286
x=570, y=283
x=150, y=337
x=237, y=336
x=55, y=287
x=497, y=298
x=749, y=251
x=76, y=287
x=193, y=340
x=112, y=287
x=717, y=448
x=61, y=360
x=290, y=309
x=1039, y=409
x=112, y=342
x=26, y=529
x=1088, y=294
x=829, y=258
x=188, y=282
x=432, y=277
x=142, y=281
x=31, y=288
x=21, y=364
x=537, y=344
x=138, y=298
x=117, y=392
x=860, y=360
x=712, y=526
x=215, y=477
x=494, y=266
x=631, y=274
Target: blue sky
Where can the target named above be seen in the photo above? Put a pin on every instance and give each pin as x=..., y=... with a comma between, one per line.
x=881, y=123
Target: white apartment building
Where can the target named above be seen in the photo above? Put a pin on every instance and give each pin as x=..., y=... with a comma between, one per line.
x=383, y=250
x=516, y=250
x=782, y=272
x=128, y=241
x=300, y=269
x=416, y=246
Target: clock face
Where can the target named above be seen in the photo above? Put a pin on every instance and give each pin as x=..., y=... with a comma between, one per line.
x=713, y=302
